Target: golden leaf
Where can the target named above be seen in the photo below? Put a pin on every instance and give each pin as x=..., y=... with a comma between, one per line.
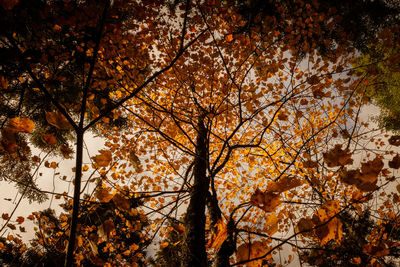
x=23, y=125
x=271, y=224
x=103, y=159
x=58, y=120
x=164, y=244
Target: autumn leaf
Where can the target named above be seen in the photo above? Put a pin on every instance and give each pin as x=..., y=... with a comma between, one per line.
x=248, y=251
x=284, y=184
x=106, y=229
x=268, y=201
x=394, y=140
x=121, y=202
x=134, y=159
x=305, y=226
x=66, y=151
x=164, y=244
x=23, y=125
x=103, y=159
x=337, y=157
x=49, y=139
x=20, y=219
x=331, y=230
x=229, y=38
x=5, y=216
x=103, y=195
x=8, y=4
x=271, y=224
x=58, y=120
x=395, y=162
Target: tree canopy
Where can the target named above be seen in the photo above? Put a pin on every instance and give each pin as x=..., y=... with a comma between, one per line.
x=231, y=130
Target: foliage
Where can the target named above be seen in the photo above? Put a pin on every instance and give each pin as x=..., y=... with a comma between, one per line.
x=252, y=135
x=379, y=69
x=356, y=248
x=110, y=233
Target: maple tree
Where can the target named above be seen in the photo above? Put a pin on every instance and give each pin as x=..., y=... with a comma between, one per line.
x=250, y=135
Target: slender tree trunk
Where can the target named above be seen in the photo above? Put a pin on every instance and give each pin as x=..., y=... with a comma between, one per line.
x=69, y=259
x=195, y=220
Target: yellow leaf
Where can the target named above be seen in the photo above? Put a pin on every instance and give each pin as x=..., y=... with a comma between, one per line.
x=24, y=125
x=58, y=120
x=85, y=168
x=103, y=159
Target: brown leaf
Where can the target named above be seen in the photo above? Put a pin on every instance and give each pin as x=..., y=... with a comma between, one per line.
x=49, y=139
x=337, y=157
x=394, y=140
x=305, y=225
x=395, y=162
x=248, y=251
x=284, y=184
x=103, y=195
x=121, y=202
x=66, y=151
x=20, y=219
x=58, y=120
x=267, y=201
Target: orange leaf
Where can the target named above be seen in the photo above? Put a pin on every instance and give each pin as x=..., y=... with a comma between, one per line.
x=24, y=125
x=250, y=251
x=271, y=224
x=103, y=195
x=20, y=219
x=103, y=159
x=49, y=139
x=66, y=151
x=58, y=120
x=267, y=201
x=229, y=38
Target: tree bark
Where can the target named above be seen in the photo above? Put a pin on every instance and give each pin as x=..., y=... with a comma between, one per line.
x=195, y=220
x=69, y=259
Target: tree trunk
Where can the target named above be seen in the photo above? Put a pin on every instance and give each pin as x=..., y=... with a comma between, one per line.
x=69, y=259
x=195, y=220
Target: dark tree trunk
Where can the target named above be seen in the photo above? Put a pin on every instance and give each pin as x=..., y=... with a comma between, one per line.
x=69, y=259
x=195, y=220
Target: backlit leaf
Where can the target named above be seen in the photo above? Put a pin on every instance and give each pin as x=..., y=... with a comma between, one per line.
x=24, y=125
